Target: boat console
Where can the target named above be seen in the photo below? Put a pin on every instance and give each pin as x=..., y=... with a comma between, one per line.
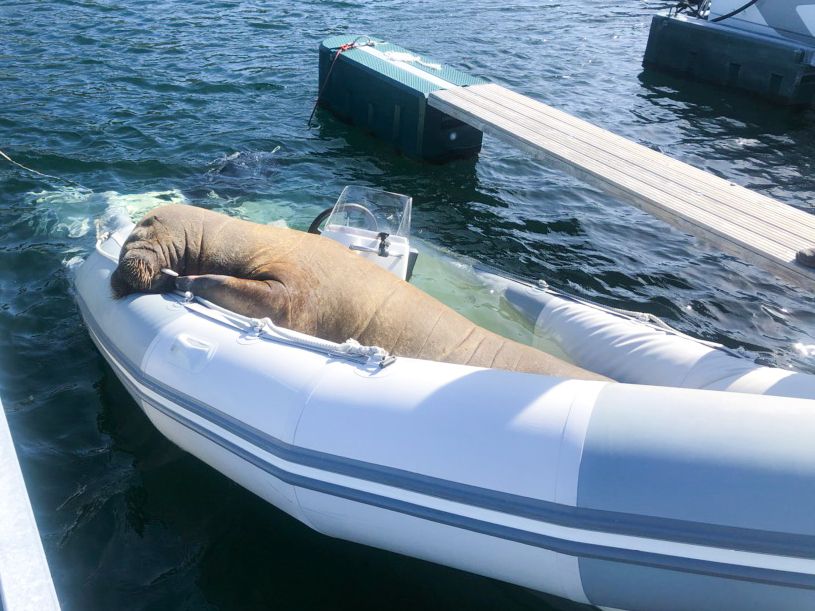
x=375, y=224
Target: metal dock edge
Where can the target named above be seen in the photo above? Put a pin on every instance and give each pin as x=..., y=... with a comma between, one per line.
x=25, y=580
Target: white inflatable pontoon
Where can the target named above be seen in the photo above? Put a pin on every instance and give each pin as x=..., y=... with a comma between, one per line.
x=646, y=496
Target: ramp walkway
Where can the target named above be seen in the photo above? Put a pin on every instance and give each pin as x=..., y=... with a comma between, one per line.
x=754, y=227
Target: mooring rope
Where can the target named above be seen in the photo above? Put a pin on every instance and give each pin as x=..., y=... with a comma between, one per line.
x=342, y=49
x=33, y=171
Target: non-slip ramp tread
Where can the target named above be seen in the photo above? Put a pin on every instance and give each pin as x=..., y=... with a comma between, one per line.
x=757, y=228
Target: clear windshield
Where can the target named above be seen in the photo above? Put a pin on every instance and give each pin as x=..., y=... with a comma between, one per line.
x=372, y=210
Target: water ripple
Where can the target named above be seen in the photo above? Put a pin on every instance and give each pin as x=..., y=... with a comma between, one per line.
x=145, y=103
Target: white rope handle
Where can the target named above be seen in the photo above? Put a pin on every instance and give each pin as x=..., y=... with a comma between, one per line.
x=266, y=328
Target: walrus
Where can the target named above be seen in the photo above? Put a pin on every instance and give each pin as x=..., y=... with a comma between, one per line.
x=313, y=285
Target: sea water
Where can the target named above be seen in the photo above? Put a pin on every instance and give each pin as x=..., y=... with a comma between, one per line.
x=141, y=104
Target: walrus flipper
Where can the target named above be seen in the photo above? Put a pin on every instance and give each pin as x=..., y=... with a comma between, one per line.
x=255, y=298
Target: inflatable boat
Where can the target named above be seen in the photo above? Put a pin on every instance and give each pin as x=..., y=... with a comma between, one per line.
x=689, y=484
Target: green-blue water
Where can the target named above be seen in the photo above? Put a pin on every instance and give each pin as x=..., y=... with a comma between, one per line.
x=142, y=102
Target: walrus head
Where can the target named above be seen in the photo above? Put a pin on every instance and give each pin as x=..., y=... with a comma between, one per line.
x=189, y=241
x=136, y=274
x=149, y=249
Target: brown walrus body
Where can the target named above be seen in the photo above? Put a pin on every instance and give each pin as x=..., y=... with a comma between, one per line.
x=313, y=285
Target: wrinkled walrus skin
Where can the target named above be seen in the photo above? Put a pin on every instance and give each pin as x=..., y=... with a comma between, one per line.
x=310, y=284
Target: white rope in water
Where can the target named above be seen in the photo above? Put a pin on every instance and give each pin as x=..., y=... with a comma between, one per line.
x=27, y=169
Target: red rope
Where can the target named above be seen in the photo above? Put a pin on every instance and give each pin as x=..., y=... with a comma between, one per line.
x=342, y=48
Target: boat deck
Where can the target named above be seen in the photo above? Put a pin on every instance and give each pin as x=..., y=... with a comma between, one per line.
x=754, y=227
x=25, y=581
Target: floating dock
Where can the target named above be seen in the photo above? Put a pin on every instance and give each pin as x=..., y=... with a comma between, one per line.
x=25, y=581
x=777, y=69
x=756, y=228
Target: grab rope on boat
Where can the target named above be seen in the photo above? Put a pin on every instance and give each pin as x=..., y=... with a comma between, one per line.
x=646, y=318
x=342, y=49
x=265, y=328
x=350, y=348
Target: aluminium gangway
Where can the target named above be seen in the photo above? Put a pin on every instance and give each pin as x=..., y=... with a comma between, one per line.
x=756, y=228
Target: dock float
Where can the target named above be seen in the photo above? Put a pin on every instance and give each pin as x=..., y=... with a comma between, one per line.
x=764, y=48
x=391, y=91
x=25, y=581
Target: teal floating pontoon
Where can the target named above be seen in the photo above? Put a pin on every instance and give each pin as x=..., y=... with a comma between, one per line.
x=383, y=88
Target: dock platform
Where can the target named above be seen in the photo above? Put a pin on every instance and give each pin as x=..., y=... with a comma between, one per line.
x=756, y=228
x=25, y=580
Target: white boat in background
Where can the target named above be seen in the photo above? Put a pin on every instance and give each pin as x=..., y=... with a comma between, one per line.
x=690, y=486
